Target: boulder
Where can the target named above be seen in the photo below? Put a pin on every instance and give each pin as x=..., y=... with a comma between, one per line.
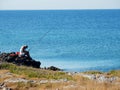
x=14, y=58
x=53, y=68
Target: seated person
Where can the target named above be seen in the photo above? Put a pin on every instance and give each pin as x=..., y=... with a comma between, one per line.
x=24, y=52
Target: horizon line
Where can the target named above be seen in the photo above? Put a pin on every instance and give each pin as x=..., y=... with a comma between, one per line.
x=54, y=9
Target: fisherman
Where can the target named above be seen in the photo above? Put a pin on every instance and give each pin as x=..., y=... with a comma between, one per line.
x=24, y=52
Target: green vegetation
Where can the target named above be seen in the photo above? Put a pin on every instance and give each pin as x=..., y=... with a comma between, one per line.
x=114, y=73
x=110, y=73
x=34, y=72
x=80, y=82
x=93, y=72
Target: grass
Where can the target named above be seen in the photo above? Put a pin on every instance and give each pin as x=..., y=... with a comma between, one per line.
x=114, y=73
x=76, y=82
x=87, y=84
x=110, y=73
x=23, y=86
x=93, y=72
x=33, y=72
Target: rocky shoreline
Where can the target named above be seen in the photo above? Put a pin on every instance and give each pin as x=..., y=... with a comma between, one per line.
x=14, y=58
x=6, y=77
x=11, y=78
x=97, y=78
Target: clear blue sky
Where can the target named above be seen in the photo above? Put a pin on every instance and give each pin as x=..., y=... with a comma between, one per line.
x=59, y=4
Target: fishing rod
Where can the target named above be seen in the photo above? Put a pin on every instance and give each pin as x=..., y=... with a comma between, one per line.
x=44, y=35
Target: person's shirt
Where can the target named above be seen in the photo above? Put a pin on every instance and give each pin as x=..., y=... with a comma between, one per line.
x=22, y=50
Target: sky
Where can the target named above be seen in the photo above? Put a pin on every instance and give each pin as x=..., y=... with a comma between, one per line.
x=58, y=4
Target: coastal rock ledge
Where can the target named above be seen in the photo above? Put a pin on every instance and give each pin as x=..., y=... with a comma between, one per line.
x=15, y=59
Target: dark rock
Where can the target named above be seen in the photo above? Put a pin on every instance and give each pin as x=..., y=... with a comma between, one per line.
x=15, y=59
x=53, y=68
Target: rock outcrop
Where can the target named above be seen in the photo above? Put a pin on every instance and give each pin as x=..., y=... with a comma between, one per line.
x=14, y=58
x=53, y=68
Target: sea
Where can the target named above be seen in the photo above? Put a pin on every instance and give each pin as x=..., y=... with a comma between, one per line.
x=73, y=40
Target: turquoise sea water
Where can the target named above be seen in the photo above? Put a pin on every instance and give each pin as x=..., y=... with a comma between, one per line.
x=74, y=40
